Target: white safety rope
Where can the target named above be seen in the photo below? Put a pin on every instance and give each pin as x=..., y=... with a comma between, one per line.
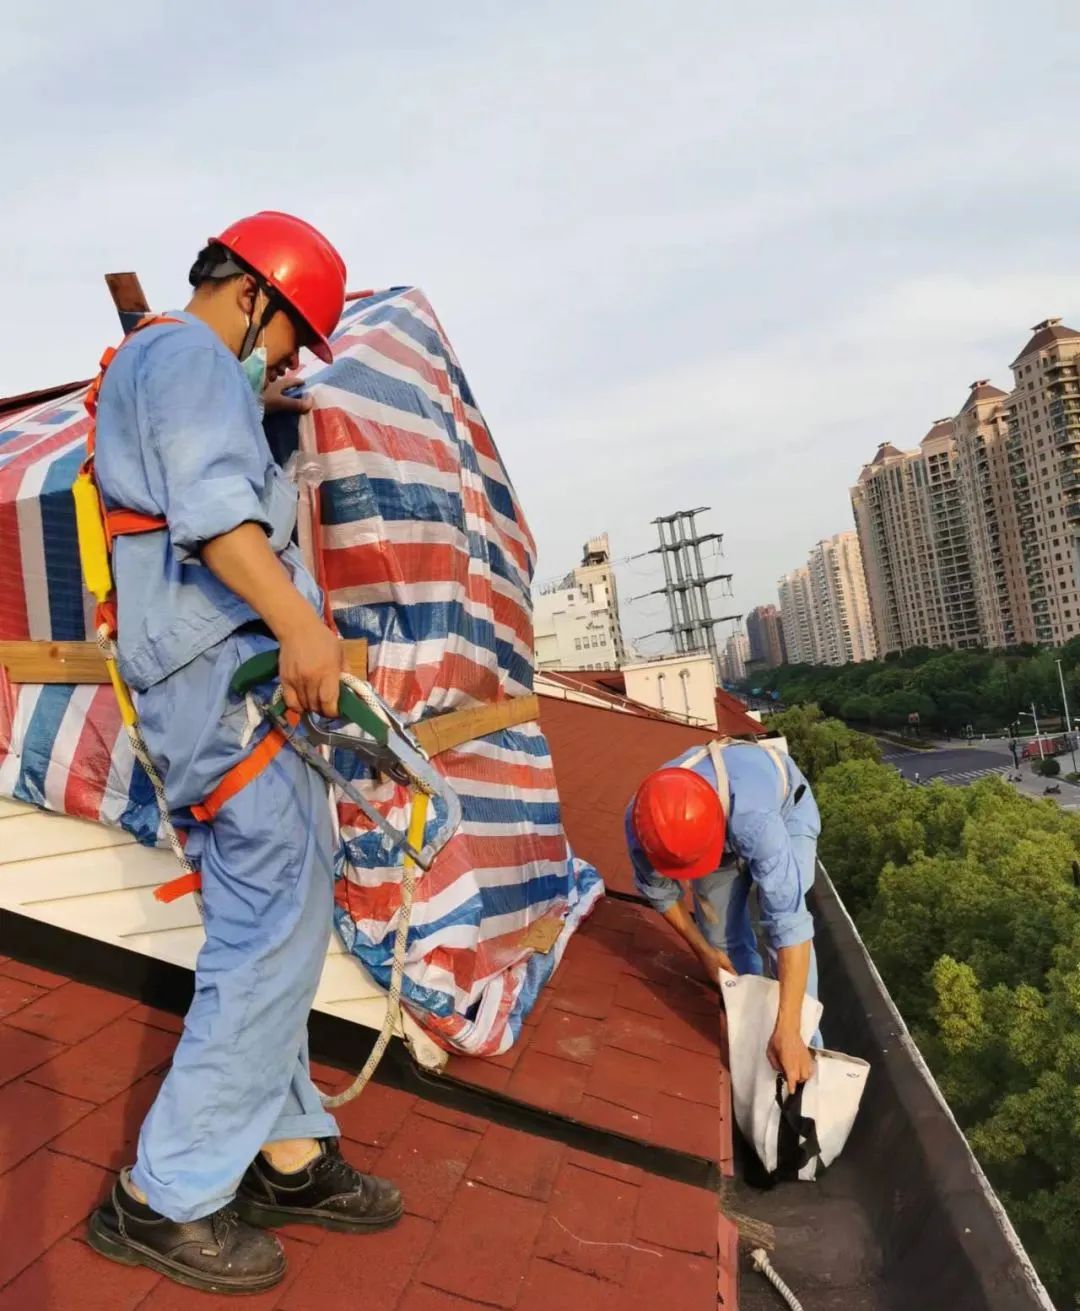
x=760, y=1259
x=107, y=647
x=392, y=1019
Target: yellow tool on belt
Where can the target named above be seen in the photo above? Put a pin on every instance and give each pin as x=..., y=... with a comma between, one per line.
x=94, y=553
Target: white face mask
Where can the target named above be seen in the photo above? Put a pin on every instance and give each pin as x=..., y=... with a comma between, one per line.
x=256, y=367
x=255, y=370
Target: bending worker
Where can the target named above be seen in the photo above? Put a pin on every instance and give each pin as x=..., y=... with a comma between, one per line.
x=207, y=577
x=728, y=818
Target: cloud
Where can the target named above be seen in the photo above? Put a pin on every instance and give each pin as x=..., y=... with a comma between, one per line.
x=693, y=254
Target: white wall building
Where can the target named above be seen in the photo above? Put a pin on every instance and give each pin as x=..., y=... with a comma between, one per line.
x=680, y=685
x=576, y=622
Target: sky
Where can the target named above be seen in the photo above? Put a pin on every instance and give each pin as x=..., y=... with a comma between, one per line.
x=692, y=254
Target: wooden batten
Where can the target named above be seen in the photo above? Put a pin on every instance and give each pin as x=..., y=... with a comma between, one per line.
x=444, y=732
x=82, y=662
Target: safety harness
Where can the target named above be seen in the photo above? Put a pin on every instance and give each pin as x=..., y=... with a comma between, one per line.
x=715, y=751
x=384, y=743
x=98, y=528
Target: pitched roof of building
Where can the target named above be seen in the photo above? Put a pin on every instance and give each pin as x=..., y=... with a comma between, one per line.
x=981, y=390
x=884, y=452
x=1045, y=333
x=939, y=428
x=11, y=405
x=609, y=687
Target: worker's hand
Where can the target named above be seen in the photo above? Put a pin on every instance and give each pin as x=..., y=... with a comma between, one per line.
x=275, y=400
x=713, y=960
x=310, y=667
x=790, y=1056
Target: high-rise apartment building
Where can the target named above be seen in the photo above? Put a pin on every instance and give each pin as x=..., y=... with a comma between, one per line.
x=797, y=617
x=913, y=529
x=733, y=658
x=1043, y=448
x=841, y=608
x=986, y=483
x=765, y=632
x=974, y=538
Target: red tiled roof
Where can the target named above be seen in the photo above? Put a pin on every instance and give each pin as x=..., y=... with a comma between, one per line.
x=732, y=718
x=601, y=757
x=625, y=1037
x=609, y=686
x=494, y=1217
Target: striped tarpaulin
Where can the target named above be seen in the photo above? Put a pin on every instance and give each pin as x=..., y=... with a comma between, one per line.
x=411, y=524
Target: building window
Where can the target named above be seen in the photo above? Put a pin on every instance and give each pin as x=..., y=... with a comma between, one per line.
x=577, y=643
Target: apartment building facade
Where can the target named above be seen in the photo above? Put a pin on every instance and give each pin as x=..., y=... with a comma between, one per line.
x=841, y=607
x=797, y=617
x=974, y=538
x=765, y=633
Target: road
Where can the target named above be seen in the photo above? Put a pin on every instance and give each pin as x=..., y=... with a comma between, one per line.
x=955, y=765
x=959, y=765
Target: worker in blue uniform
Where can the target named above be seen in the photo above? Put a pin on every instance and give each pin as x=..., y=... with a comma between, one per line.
x=238, y=1139
x=727, y=819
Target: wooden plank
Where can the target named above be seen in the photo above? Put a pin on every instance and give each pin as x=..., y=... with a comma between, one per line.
x=83, y=874
x=444, y=732
x=13, y=809
x=53, y=662
x=127, y=293
x=82, y=662
x=128, y=297
x=40, y=834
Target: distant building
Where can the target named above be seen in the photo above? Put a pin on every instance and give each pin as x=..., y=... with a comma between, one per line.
x=797, y=617
x=841, y=607
x=733, y=658
x=765, y=631
x=914, y=536
x=576, y=621
x=824, y=607
x=974, y=538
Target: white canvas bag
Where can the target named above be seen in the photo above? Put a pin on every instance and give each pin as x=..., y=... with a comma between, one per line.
x=797, y=1134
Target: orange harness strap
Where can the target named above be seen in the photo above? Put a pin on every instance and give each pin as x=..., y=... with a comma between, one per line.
x=233, y=782
x=241, y=774
x=118, y=523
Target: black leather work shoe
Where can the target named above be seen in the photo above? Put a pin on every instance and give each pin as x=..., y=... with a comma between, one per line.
x=328, y=1192
x=217, y=1254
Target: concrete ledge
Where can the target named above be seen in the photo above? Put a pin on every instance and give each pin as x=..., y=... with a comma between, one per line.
x=945, y=1238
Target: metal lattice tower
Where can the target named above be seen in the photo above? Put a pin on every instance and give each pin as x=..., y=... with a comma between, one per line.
x=686, y=584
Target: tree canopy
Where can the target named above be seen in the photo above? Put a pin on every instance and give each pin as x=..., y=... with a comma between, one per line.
x=968, y=901
x=947, y=689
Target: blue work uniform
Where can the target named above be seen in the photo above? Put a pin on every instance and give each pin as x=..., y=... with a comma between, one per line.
x=771, y=845
x=179, y=436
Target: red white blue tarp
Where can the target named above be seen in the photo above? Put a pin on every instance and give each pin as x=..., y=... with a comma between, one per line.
x=413, y=527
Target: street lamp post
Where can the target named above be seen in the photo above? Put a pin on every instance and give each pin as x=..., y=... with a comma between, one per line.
x=1038, y=735
x=1068, y=721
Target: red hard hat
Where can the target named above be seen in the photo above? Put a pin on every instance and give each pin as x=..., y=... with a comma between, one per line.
x=299, y=263
x=679, y=821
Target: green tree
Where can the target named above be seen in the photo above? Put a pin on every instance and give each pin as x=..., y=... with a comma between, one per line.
x=966, y=899
x=817, y=743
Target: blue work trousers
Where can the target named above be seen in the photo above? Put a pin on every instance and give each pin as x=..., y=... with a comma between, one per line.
x=239, y=1076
